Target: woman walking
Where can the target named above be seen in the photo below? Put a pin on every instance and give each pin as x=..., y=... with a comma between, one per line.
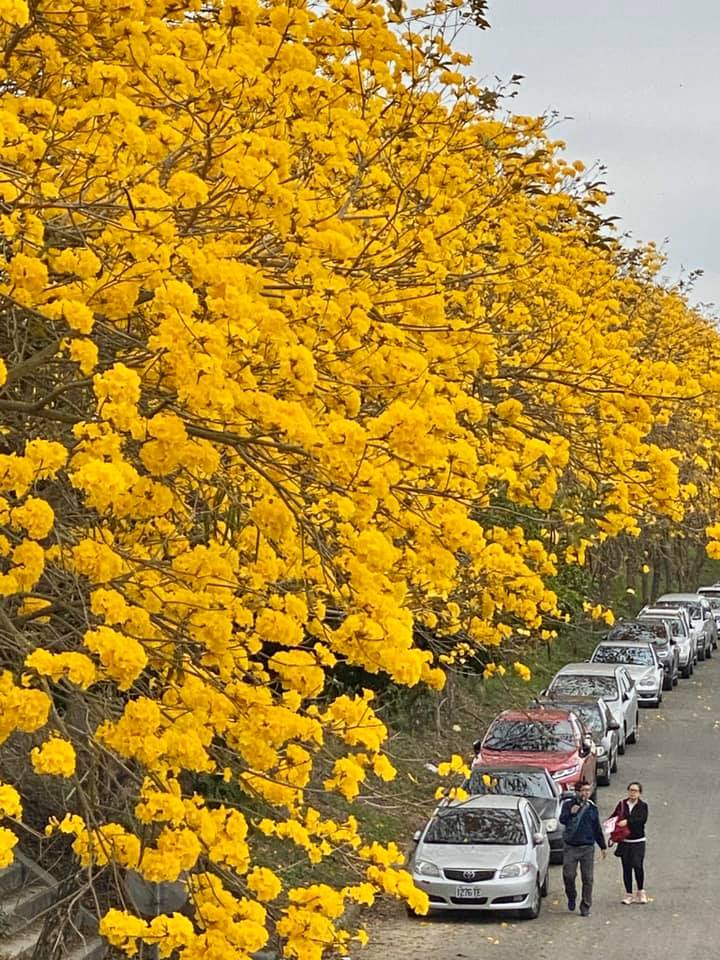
x=632, y=814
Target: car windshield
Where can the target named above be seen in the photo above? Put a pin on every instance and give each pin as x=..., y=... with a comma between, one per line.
x=510, y=783
x=636, y=656
x=534, y=736
x=648, y=631
x=675, y=624
x=477, y=826
x=693, y=609
x=584, y=685
x=590, y=716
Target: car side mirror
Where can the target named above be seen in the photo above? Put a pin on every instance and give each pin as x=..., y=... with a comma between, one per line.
x=626, y=696
x=567, y=795
x=416, y=836
x=673, y=642
x=613, y=725
x=538, y=838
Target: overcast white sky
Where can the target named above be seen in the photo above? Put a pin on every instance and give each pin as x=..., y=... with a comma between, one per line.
x=641, y=81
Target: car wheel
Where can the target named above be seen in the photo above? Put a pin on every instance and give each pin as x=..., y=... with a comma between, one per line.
x=604, y=781
x=708, y=652
x=545, y=888
x=614, y=764
x=686, y=671
x=623, y=744
x=701, y=655
x=533, y=911
x=667, y=683
x=676, y=678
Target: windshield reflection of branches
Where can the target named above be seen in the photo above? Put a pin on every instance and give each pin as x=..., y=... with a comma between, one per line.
x=530, y=735
x=579, y=685
x=635, y=656
x=509, y=783
x=503, y=827
x=590, y=716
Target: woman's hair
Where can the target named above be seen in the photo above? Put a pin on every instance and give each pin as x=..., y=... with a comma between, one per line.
x=635, y=783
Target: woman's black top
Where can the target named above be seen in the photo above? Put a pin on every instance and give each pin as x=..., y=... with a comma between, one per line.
x=636, y=818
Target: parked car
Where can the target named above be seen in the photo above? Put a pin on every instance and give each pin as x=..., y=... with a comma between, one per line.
x=657, y=632
x=712, y=595
x=552, y=739
x=678, y=621
x=613, y=683
x=535, y=784
x=485, y=853
x=602, y=727
x=642, y=664
x=702, y=621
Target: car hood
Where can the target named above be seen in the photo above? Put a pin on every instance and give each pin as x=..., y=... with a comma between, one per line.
x=545, y=807
x=470, y=856
x=640, y=673
x=550, y=761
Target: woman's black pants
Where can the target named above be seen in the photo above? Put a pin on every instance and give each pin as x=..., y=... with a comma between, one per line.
x=633, y=862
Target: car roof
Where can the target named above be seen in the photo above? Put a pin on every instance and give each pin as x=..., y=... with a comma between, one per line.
x=679, y=596
x=574, y=698
x=508, y=768
x=591, y=669
x=659, y=612
x=624, y=643
x=494, y=801
x=534, y=713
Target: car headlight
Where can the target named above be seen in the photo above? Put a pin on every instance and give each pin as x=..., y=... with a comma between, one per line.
x=647, y=684
x=550, y=825
x=426, y=868
x=515, y=870
x=566, y=772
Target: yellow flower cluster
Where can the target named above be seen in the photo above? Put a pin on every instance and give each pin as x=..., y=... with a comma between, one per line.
x=311, y=365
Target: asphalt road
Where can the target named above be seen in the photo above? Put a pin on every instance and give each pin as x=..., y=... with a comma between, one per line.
x=676, y=760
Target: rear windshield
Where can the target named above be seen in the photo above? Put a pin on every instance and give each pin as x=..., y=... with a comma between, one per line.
x=534, y=736
x=583, y=685
x=636, y=656
x=510, y=783
x=477, y=826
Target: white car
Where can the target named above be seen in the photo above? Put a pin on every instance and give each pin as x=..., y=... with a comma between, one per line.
x=702, y=622
x=712, y=595
x=486, y=853
x=679, y=623
x=642, y=664
x=611, y=682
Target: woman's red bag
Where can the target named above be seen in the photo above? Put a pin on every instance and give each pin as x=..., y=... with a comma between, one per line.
x=620, y=833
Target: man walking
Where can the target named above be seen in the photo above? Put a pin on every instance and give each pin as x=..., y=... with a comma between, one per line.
x=581, y=820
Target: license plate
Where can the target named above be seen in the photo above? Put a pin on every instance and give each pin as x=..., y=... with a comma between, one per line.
x=466, y=893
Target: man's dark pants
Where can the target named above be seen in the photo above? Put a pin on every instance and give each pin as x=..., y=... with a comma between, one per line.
x=585, y=856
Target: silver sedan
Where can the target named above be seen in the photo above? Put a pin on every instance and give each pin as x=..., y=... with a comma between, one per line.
x=485, y=853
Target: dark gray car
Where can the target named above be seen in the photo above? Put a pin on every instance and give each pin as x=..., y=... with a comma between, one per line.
x=536, y=784
x=600, y=724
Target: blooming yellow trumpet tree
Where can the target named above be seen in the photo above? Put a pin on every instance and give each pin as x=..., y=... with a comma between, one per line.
x=295, y=331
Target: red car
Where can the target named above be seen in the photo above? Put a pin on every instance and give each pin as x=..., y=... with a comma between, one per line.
x=553, y=739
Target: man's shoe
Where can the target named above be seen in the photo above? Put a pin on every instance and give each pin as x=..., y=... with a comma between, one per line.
x=584, y=911
x=571, y=905
x=628, y=898
x=641, y=897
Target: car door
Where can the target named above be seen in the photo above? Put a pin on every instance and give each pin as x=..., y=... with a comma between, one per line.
x=630, y=701
x=659, y=672
x=542, y=850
